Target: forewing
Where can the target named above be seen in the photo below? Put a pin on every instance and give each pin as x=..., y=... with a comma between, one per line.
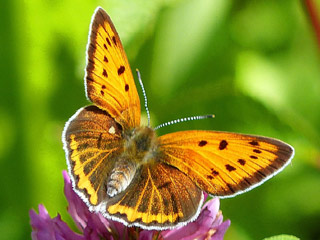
x=160, y=197
x=109, y=81
x=92, y=141
x=225, y=164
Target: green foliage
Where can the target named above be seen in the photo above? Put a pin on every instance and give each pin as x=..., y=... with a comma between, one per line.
x=254, y=64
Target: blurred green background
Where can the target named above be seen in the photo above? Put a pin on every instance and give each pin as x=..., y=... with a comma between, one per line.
x=254, y=64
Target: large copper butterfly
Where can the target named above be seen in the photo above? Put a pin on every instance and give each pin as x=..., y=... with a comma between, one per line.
x=124, y=171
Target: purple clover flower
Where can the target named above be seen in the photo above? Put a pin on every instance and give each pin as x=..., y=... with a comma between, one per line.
x=208, y=226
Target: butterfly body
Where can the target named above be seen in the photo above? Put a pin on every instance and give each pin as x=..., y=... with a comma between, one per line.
x=140, y=146
x=125, y=172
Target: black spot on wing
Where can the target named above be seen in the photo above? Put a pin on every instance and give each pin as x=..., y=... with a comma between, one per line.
x=242, y=161
x=230, y=168
x=114, y=40
x=223, y=144
x=108, y=41
x=104, y=73
x=202, y=143
x=214, y=172
x=121, y=70
x=254, y=143
x=210, y=177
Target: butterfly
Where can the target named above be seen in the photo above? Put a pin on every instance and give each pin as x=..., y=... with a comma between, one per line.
x=127, y=173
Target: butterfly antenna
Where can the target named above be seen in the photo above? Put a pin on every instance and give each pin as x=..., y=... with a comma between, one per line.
x=184, y=120
x=144, y=96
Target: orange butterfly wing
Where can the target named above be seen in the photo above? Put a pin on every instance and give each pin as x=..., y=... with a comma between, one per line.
x=224, y=164
x=109, y=81
x=159, y=197
x=92, y=142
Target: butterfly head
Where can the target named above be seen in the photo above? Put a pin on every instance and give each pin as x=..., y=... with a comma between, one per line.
x=141, y=144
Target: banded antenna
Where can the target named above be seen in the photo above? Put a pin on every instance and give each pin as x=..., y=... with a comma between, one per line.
x=184, y=120
x=144, y=96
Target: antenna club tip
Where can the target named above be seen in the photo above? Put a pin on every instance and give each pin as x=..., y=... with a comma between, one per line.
x=209, y=116
x=137, y=69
